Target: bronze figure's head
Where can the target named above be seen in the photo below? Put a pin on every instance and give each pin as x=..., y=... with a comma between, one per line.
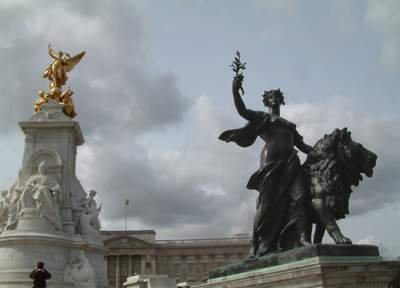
x=273, y=98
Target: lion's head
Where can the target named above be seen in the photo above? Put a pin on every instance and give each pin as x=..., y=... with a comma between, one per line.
x=337, y=163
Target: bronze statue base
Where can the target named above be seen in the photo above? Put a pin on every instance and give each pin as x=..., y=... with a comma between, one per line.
x=323, y=251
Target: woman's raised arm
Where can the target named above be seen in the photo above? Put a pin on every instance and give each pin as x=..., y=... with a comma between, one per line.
x=237, y=98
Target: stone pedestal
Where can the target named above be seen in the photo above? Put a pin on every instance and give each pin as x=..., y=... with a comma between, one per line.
x=150, y=281
x=74, y=258
x=321, y=268
x=21, y=250
x=53, y=137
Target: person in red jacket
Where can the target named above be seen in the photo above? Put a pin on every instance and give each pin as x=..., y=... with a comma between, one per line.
x=39, y=276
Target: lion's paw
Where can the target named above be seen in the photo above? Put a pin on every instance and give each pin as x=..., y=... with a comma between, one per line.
x=340, y=239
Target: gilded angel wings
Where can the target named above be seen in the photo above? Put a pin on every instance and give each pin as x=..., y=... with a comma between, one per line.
x=62, y=63
x=56, y=72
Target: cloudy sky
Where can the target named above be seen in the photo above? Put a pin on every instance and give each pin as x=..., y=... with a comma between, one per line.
x=153, y=94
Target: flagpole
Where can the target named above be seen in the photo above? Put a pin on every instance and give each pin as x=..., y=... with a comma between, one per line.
x=126, y=214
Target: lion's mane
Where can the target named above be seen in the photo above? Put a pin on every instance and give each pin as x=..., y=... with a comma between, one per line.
x=334, y=176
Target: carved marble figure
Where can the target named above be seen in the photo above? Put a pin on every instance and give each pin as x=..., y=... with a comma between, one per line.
x=42, y=193
x=89, y=218
x=79, y=271
x=93, y=210
x=4, y=209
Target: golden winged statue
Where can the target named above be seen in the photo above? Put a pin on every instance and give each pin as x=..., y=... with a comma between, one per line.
x=56, y=72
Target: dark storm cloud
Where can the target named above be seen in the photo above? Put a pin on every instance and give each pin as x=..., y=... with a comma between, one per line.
x=158, y=196
x=195, y=187
x=377, y=133
x=201, y=183
x=113, y=84
x=118, y=96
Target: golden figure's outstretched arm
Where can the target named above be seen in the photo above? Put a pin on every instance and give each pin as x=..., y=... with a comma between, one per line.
x=52, y=53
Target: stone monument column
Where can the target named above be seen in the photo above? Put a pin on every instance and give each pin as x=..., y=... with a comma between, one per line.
x=143, y=264
x=49, y=216
x=129, y=264
x=117, y=272
x=53, y=137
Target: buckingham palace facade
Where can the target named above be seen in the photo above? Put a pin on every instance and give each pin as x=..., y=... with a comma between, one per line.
x=138, y=252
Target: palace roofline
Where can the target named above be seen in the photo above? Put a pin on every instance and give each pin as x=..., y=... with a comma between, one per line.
x=235, y=239
x=122, y=232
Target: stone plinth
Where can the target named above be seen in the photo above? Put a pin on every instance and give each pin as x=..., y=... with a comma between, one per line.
x=21, y=250
x=315, y=266
x=150, y=281
x=48, y=213
x=293, y=255
x=52, y=136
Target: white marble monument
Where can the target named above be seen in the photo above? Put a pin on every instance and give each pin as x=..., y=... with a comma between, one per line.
x=46, y=215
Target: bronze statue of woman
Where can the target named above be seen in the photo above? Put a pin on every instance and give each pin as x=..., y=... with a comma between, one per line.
x=280, y=222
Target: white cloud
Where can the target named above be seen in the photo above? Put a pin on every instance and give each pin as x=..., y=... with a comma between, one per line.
x=343, y=16
x=376, y=133
x=201, y=179
x=284, y=7
x=146, y=141
x=387, y=252
x=384, y=17
x=115, y=68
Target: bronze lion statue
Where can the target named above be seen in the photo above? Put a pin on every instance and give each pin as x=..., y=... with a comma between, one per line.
x=335, y=165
